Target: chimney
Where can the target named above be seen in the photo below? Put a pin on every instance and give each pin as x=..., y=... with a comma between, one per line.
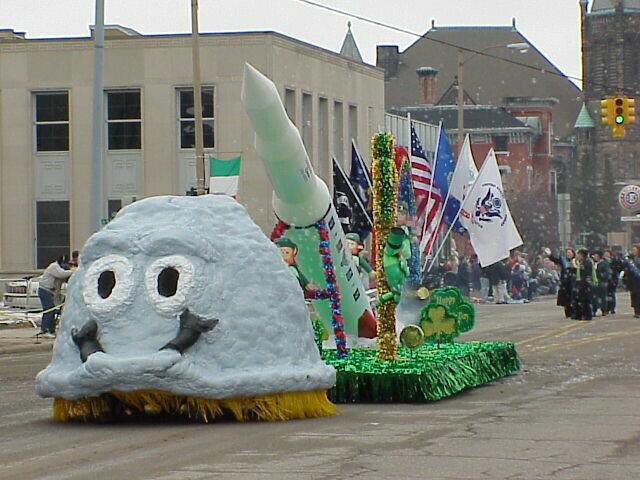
x=427, y=85
x=388, y=57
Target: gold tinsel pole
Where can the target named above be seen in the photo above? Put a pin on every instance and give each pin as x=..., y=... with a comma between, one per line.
x=385, y=182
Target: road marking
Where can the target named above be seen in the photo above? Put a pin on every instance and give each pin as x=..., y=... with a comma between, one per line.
x=583, y=341
x=553, y=333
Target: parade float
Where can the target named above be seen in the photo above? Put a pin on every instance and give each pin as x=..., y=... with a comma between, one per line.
x=429, y=365
x=182, y=307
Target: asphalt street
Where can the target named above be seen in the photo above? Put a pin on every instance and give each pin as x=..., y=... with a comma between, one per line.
x=573, y=412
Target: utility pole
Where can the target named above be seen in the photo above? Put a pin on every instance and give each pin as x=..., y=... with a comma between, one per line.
x=96, y=207
x=460, y=102
x=197, y=99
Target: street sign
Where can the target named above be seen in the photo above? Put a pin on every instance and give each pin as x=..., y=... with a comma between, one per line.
x=629, y=198
x=635, y=218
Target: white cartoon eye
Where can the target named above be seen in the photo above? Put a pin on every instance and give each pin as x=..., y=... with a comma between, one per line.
x=169, y=282
x=108, y=284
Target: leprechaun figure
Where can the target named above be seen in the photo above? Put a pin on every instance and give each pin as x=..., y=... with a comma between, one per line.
x=289, y=251
x=364, y=269
x=397, y=249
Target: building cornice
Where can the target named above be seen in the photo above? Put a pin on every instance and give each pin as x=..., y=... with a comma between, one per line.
x=184, y=41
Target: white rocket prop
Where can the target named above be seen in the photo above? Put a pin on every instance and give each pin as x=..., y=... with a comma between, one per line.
x=300, y=199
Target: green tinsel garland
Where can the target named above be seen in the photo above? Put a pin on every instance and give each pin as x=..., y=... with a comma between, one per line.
x=318, y=332
x=429, y=373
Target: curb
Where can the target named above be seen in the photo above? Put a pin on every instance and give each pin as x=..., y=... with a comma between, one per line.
x=29, y=348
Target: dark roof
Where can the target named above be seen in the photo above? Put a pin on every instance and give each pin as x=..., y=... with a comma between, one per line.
x=450, y=96
x=485, y=118
x=486, y=79
x=349, y=47
x=599, y=5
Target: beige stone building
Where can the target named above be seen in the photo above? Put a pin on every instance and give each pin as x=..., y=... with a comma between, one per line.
x=45, y=124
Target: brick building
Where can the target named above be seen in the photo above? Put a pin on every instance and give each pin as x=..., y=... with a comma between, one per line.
x=522, y=112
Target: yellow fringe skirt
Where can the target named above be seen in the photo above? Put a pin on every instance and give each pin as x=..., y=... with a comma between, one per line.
x=272, y=407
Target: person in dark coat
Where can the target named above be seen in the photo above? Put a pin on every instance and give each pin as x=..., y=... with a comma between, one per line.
x=601, y=291
x=583, y=290
x=567, y=280
x=632, y=278
x=463, y=277
x=615, y=263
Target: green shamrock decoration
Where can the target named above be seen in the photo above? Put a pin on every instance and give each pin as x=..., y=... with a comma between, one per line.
x=437, y=324
x=447, y=315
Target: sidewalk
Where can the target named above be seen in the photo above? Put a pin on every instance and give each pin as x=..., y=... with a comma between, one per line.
x=22, y=340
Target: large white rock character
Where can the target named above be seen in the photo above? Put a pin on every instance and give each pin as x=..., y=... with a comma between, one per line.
x=182, y=306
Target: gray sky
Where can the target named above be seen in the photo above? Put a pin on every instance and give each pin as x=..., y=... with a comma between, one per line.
x=551, y=25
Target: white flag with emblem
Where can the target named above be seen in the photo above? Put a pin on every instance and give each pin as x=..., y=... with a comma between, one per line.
x=486, y=216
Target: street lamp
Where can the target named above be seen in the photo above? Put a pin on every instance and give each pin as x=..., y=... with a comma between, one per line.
x=521, y=47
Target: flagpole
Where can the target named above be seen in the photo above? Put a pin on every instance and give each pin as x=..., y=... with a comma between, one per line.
x=197, y=100
x=409, y=132
x=441, y=216
x=433, y=172
x=451, y=226
x=96, y=205
x=462, y=205
x=444, y=205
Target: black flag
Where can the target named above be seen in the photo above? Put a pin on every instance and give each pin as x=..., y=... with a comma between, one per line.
x=351, y=212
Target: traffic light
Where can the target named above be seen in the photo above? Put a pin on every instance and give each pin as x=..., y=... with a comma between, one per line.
x=619, y=116
x=630, y=110
x=606, y=111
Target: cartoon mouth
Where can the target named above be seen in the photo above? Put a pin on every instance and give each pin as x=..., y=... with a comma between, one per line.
x=191, y=327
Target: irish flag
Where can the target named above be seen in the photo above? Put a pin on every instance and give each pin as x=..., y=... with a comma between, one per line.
x=224, y=176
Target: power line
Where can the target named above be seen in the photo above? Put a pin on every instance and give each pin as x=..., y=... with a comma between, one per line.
x=453, y=45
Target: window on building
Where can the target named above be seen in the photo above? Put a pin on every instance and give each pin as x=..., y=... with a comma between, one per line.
x=612, y=67
x=290, y=103
x=353, y=123
x=187, y=122
x=124, y=120
x=324, y=162
x=631, y=58
x=371, y=123
x=517, y=137
x=307, y=122
x=529, y=177
x=52, y=121
x=338, y=131
x=501, y=143
x=52, y=231
x=480, y=138
x=553, y=183
x=113, y=207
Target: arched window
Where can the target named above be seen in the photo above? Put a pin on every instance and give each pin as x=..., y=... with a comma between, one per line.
x=631, y=61
x=612, y=64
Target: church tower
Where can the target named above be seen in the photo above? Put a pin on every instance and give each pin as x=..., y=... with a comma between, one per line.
x=611, y=66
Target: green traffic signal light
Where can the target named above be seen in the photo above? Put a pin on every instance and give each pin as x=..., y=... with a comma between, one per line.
x=619, y=118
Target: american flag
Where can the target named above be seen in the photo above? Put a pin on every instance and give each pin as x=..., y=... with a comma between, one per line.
x=421, y=174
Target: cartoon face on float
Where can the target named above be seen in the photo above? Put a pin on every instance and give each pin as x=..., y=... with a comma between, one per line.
x=183, y=295
x=288, y=255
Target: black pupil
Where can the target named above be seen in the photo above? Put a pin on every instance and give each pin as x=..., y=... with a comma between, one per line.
x=168, y=282
x=106, y=282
